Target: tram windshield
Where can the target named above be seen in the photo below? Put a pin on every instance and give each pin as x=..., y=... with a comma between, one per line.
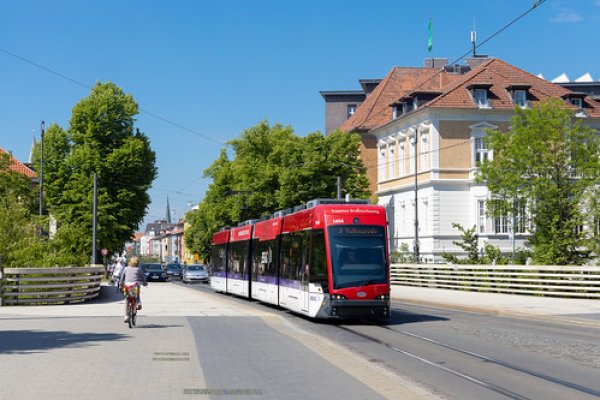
x=358, y=255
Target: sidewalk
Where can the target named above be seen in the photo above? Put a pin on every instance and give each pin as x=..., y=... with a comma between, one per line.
x=574, y=310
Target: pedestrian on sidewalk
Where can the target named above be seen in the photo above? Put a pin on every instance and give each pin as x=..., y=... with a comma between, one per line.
x=118, y=271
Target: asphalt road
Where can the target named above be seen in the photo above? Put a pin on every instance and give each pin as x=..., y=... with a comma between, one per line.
x=471, y=355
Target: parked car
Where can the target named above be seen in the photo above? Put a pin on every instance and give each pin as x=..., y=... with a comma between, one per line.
x=194, y=273
x=154, y=272
x=173, y=270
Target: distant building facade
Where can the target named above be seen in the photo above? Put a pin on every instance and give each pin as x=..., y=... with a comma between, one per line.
x=429, y=122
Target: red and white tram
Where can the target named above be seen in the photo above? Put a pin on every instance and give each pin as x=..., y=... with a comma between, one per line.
x=327, y=260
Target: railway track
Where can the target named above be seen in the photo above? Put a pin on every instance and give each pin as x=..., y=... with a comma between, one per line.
x=487, y=384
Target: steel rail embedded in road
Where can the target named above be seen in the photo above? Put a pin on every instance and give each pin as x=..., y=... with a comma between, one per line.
x=455, y=372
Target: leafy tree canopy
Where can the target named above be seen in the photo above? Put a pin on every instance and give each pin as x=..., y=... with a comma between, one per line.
x=273, y=169
x=549, y=160
x=101, y=139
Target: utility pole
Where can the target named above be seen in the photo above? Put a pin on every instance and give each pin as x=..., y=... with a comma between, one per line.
x=93, y=261
x=41, y=230
x=416, y=246
x=339, y=187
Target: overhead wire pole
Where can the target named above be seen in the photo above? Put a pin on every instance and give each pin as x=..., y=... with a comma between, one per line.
x=41, y=229
x=95, y=207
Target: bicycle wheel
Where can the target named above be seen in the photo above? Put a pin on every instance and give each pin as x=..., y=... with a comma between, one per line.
x=130, y=313
x=133, y=314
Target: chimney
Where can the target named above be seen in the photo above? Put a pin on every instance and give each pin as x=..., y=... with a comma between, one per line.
x=473, y=62
x=435, y=62
x=443, y=79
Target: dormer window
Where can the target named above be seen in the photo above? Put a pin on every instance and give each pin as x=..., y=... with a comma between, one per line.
x=351, y=109
x=480, y=94
x=406, y=107
x=481, y=97
x=577, y=102
x=520, y=98
x=518, y=93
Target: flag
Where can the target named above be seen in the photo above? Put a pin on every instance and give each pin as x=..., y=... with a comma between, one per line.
x=430, y=38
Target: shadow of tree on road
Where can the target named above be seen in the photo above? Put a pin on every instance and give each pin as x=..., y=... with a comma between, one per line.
x=39, y=341
x=108, y=294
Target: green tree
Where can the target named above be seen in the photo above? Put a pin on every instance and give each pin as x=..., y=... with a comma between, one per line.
x=101, y=139
x=273, y=169
x=16, y=206
x=549, y=161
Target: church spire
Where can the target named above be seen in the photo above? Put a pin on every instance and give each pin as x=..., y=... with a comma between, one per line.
x=168, y=211
x=32, y=149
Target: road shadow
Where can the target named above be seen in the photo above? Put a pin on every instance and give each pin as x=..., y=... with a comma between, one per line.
x=39, y=341
x=400, y=317
x=157, y=326
x=108, y=294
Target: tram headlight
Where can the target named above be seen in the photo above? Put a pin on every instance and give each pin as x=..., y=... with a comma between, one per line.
x=383, y=296
x=337, y=297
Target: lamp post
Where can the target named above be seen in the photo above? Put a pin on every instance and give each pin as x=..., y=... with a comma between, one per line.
x=40, y=229
x=416, y=245
x=93, y=260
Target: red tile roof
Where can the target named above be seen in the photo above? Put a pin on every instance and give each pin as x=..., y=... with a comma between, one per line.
x=375, y=110
x=18, y=166
x=498, y=75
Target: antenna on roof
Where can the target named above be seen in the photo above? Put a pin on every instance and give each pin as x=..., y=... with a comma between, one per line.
x=474, y=38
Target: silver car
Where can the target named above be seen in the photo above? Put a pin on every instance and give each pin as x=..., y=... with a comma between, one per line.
x=194, y=273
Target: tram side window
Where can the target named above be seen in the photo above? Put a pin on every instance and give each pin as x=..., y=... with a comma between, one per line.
x=263, y=263
x=318, y=259
x=294, y=255
x=256, y=259
x=286, y=241
x=219, y=257
x=239, y=255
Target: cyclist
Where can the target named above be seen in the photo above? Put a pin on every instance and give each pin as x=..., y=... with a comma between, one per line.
x=133, y=276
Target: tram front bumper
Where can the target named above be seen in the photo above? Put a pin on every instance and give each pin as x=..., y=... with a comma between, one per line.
x=344, y=308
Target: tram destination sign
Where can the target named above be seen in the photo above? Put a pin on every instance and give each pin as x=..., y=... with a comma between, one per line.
x=357, y=230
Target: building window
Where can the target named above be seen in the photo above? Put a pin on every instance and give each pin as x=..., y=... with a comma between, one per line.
x=382, y=166
x=424, y=150
x=576, y=101
x=481, y=217
x=393, y=160
x=481, y=152
x=402, y=159
x=351, y=109
x=413, y=154
x=424, y=213
x=481, y=97
x=501, y=224
x=520, y=98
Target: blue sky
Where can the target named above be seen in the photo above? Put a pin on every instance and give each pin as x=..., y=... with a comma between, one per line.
x=218, y=67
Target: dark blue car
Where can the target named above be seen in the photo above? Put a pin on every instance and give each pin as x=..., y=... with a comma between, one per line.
x=154, y=272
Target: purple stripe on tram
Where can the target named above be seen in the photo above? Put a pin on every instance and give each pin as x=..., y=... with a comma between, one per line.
x=267, y=279
x=289, y=283
x=220, y=274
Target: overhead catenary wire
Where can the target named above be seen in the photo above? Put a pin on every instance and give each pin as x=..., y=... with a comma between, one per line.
x=83, y=85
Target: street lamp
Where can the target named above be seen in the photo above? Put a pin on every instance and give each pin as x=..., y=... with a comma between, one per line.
x=413, y=140
x=40, y=231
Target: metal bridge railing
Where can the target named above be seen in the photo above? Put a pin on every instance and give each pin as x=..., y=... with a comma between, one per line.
x=20, y=286
x=556, y=281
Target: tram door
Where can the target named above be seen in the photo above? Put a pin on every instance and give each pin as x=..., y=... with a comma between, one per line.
x=304, y=292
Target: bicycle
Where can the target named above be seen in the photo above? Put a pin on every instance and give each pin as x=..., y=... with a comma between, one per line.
x=131, y=295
